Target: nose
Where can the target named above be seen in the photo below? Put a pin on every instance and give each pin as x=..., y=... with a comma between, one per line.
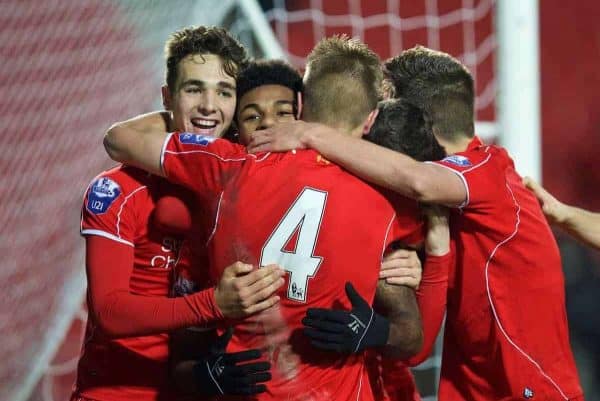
x=207, y=103
x=267, y=122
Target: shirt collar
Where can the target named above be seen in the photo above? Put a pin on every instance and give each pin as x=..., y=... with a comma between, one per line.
x=475, y=143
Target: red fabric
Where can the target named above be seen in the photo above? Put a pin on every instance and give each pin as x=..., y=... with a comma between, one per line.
x=398, y=381
x=130, y=267
x=431, y=297
x=352, y=225
x=391, y=379
x=506, y=328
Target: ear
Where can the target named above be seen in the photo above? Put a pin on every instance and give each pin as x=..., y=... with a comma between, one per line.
x=166, y=97
x=299, y=105
x=370, y=121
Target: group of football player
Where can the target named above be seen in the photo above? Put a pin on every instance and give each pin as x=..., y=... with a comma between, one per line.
x=253, y=245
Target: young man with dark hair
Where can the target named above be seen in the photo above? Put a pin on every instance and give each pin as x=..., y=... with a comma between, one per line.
x=130, y=262
x=268, y=91
x=506, y=333
x=300, y=228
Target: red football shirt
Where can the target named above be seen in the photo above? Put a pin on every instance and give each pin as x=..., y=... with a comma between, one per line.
x=323, y=225
x=118, y=205
x=506, y=328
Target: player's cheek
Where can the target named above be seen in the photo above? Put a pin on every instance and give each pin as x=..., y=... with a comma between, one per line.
x=228, y=108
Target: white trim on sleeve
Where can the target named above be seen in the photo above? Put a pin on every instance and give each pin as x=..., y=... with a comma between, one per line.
x=462, y=178
x=104, y=234
x=163, y=151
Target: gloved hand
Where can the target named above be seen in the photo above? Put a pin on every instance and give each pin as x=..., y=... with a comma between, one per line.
x=346, y=331
x=221, y=373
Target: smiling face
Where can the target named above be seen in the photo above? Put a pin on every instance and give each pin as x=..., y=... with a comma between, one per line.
x=263, y=107
x=203, y=98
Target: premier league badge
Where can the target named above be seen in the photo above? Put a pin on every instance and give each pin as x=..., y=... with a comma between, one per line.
x=458, y=160
x=103, y=193
x=195, y=139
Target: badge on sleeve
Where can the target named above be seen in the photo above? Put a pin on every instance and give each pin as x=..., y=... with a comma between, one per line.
x=103, y=193
x=458, y=160
x=195, y=139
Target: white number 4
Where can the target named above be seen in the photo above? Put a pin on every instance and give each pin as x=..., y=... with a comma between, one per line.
x=304, y=218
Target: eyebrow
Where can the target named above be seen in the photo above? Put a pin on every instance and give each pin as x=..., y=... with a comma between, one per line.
x=198, y=82
x=277, y=103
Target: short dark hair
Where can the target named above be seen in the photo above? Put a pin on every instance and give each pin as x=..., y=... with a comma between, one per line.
x=402, y=126
x=203, y=40
x=437, y=83
x=343, y=81
x=268, y=72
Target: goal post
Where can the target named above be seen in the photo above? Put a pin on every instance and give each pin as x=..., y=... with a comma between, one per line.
x=518, y=93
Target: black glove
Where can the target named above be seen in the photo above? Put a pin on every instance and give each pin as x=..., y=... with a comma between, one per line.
x=346, y=332
x=221, y=373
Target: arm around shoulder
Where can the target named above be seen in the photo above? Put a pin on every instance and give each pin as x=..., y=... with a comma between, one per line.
x=425, y=182
x=138, y=141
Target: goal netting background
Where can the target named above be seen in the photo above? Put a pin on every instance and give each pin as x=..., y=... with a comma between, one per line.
x=71, y=68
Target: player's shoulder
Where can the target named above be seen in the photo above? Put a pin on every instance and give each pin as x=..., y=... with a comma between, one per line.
x=115, y=184
x=127, y=178
x=474, y=158
x=313, y=158
x=192, y=141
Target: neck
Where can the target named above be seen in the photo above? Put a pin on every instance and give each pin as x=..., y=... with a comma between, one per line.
x=459, y=145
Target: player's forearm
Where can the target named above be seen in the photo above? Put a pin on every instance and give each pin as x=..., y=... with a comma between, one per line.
x=386, y=168
x=405, y=338
x=370, y=162
x=398, y=304
x=582, y=224
x=138, y=141
x=122, y=314
x=119, y=313
x=431, y=297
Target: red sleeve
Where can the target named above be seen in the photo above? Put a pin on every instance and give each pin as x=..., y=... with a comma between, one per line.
x=108, y=209
x=479, y=173
x=431, y=297
x=119, y=313
x=199, y=162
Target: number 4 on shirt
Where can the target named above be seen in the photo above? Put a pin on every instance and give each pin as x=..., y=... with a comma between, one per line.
x=302, y=221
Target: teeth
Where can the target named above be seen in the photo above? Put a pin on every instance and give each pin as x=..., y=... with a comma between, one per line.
x=204, y=123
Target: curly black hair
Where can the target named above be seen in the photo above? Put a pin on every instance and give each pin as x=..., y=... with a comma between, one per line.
x=268, y=72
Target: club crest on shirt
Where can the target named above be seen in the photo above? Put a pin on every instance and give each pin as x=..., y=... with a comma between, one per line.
x=458, y=160
x=102, y=194
x=195, y=139
x=184, y=286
